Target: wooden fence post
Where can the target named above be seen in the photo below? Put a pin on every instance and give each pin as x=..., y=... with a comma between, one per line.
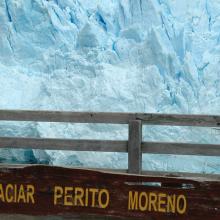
x=134, y=147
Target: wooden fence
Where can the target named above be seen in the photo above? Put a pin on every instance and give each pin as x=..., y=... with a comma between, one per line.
x=134, y=146
x=38, y=190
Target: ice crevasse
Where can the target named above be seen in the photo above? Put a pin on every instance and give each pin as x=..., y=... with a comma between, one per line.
x=158, y=56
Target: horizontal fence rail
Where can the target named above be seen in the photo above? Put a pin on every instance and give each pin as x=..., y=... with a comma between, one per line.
x=181, y=148
x=134, y=146
x=110, y=146
x=64, y=144
x=111, y=118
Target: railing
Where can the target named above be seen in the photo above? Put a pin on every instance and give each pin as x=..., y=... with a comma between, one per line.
x=134, y=146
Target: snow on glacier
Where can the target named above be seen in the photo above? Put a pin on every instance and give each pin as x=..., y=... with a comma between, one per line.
x=118, y=55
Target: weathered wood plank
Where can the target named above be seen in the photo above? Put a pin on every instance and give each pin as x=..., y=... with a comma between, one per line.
x=187, y=175
x=64, y=144
x=75, y=217
x=71, y=117
x=112, y=118
x=56, y=191
x=180, y=120
x=110, y=146
x=193, y=176
x=181, y=148
x=134, y=147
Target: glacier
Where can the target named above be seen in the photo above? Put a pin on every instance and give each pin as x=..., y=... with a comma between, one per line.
x=157, y=56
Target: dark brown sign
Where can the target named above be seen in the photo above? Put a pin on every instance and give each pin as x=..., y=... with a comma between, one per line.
x=43, y=190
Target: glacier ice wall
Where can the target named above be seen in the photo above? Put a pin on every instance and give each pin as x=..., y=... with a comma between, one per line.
x=115, y=55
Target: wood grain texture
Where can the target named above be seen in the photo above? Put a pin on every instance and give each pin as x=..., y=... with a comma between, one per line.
x=76, y=217
x=113, y=146
x=112, y=118
x=134, y=147
x=193, y=176
x=203, y=197
x=180, y=120
x=181, y=148
x=64, y=144
x=71, y=117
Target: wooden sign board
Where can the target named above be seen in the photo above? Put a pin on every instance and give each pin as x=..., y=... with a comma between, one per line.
x=44, y=190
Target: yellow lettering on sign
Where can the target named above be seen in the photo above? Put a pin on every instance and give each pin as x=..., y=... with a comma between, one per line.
x=17, y=193
x=102, y=204
x=161, y=202
x=30, y=194
x=93, y=191
x=132, y=201
x=82, y=197
x=9, y=193
x=181, y=204
x=87, y=197
x=156, y=202
x=79, y=193
x=2, y=197
x=21, y=195
x=68, y=198
x=58, y=194
x=143, y=201
x=171, y=203
x=152, y=202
